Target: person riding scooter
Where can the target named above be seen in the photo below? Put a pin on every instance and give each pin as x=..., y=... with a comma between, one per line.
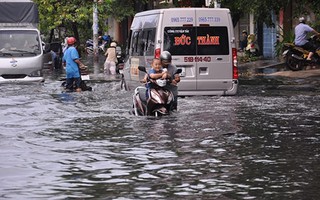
x=160, y=100
x=166, y=59
x=301, y=33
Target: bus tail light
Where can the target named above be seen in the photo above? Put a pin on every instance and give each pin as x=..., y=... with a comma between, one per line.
x=235, y=64
x=157, y=53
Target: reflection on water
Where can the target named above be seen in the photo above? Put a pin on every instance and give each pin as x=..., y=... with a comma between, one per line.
x=261, y=144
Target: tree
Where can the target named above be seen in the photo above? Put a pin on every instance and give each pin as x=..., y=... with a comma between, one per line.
x=262, y=10
x=76, y=15
x=69, y=14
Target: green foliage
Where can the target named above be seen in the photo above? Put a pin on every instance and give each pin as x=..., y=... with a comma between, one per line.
x=262, y=10
x=279, y=45
x=246, y=57
x=55, y=13
x=77, y=15
x=119, y=9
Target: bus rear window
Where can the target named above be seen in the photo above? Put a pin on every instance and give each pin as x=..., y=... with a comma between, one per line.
x=180, y=40
x=212, y=41
x=196, y=40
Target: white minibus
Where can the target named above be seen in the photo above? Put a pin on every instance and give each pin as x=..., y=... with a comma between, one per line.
x=202, y=44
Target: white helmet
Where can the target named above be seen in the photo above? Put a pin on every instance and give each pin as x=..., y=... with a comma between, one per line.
x=302, y=19
x=113, y=44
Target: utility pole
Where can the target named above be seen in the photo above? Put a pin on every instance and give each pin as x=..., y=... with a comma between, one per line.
x=95, y=28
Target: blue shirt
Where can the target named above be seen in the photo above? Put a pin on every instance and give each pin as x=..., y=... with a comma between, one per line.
x=152, y=71
x=301, y=32
x=72, y=69
x=105, y=38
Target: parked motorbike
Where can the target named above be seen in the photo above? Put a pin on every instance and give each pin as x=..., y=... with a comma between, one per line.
x=252, y=48
x=89, y=47
x=120, y=58
x=295, y=57
x=160, y=101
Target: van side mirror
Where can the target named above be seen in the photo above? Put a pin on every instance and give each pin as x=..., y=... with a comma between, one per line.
x=178, y=71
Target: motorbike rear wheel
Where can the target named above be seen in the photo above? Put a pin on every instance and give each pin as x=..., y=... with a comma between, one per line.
x=293, y=63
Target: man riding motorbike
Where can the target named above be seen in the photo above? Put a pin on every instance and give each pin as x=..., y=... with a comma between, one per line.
x=166, y=59
x=301, y=33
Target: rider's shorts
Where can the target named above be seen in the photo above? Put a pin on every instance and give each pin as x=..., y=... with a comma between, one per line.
x=309, y=46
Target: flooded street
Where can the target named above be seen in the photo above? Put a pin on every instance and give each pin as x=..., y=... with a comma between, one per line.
x=261, y=144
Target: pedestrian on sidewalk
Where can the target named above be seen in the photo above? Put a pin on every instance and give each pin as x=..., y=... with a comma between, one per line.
x=243, y=40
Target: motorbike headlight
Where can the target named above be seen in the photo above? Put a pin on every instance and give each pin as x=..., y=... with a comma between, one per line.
x=285, y=52
x=161, y=82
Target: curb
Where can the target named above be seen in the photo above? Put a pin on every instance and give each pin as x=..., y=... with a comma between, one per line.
x=274, y=65
x=262, y=64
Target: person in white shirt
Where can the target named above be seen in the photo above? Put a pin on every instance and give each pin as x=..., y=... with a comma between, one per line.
x=301, y=37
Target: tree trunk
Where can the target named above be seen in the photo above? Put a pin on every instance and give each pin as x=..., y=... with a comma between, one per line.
x=287, y=20
x=51, y=35
x=75, y=31
x=76, y=35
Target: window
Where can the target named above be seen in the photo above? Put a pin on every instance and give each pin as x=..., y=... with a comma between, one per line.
x=134, y=46
x=150, y=44
x=20, y=43
x=212, y=41
x=180, y=40
x=143, y=42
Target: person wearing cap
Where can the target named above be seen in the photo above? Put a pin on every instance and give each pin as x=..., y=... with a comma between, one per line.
x=111, y=60
x=72, y=63
x=243, y=40
x=301, y=37
x=166, y=61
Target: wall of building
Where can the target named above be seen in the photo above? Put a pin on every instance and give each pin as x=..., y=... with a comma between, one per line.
x=269, y=42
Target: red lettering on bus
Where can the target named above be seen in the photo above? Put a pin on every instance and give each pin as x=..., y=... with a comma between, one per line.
x=182, y=40
x=208, y=40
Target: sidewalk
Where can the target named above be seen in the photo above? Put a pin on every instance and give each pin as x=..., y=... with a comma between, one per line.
x=262, y=64
x=260, y=67
x=274, y=68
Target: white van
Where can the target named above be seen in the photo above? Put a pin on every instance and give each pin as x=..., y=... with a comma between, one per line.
x=202, y=44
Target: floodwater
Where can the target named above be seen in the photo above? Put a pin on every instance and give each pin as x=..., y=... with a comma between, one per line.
x=261, y=144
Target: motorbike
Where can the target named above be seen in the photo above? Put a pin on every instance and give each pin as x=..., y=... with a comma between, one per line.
x=120, y=58
x=84, y=76
x=296, y=57
x=252, y=48
x=160, y=101
x=89, y=47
